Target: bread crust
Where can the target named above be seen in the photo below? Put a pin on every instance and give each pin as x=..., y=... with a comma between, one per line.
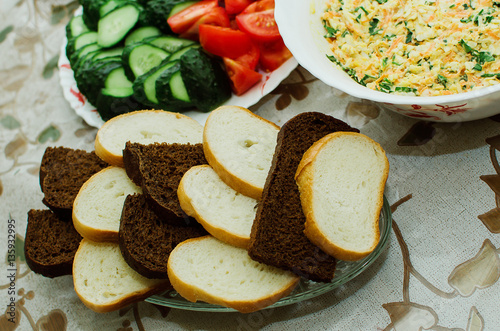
x=193, y=294
x=232, y=180
x=305, y=178
x=217, y=232
x=111, y=157
x=41, y=243
x=122, y=302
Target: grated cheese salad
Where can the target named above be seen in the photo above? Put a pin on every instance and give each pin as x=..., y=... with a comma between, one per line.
x=416, y=47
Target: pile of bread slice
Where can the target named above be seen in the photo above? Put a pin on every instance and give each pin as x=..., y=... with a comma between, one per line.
x=233, y=213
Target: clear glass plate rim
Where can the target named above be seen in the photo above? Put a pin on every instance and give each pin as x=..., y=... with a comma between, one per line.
x=386, y=226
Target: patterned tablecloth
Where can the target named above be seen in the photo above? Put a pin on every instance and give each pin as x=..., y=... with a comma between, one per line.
x=440, y=270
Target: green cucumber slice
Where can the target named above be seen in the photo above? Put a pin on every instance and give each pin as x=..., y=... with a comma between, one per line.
x=171, y=44
x=139, y=58
x=142, y=33
x=113, y=27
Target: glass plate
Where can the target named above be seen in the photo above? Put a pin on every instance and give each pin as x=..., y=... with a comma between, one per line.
x=269, y=81
x=306, y=289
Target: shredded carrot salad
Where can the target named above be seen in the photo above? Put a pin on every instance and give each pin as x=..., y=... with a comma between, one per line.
x=416, y=47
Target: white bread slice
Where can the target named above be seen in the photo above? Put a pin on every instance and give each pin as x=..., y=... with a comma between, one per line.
x=239, y=146
x=145, y=127
x=223, y=212
x=98, y=205
x=104, y=282
x=209, y=270
x=341, y=179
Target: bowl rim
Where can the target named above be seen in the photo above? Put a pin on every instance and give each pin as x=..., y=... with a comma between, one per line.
x=293, y=15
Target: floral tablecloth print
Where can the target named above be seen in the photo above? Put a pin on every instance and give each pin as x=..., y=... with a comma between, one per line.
x=440, y=270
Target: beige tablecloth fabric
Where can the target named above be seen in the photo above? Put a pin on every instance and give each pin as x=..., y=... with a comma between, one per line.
x=439, y=271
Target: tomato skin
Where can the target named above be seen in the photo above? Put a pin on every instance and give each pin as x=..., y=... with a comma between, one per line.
x=241, y=77
x=216, y=17
x=260, y=26
x=259, y=6
x=251, y=58
x=234, y=7
x=224, y=41
x=273, y=55
x=183, y=20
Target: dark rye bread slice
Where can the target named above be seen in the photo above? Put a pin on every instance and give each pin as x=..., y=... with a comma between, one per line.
x=158, y=169
x=146, y=241
x=50, y=243
x=62, y=173
x=277, y=236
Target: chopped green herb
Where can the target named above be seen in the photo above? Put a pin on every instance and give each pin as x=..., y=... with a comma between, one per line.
x=388, y=36
x=478, y=67
x=409, y=36
x=366, y=78
x=361, y=8
x=491, y=75
x=385, y=85
x=384, y=62
x=373, y=30
x=405, y=89
x=442, y=80
x=330, y=32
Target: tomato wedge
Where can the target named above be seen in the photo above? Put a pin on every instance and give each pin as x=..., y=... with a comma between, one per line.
x=273, y=55
x=241, y=77
x=216, y=17
x=260, y=26
x=223, y=41
x=236, y=6
x=258, y=6
x=226, y=42
x=183, y=20
x=251, y=58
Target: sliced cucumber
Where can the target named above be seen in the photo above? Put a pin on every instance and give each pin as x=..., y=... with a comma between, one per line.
x=101, y=53
x=79, y=41
x=109, y=52
x=178, y=88
x=177, y=55
x=115, y=101
x=81, y=52
x=91, y=76
x=156, y=13
x=109, y=6
x=142, y=33
x=144, y=85
x=91, y=9
x=180, y=7
x=139, y=58
x=205, y=79
x=113, y=27
x=171, y=44
x=171, y=91
x=76, y=26
x=117, y=79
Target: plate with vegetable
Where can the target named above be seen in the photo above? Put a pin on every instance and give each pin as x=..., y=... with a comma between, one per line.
x=178, y=55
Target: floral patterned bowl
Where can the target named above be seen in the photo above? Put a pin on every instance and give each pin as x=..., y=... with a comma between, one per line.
x=302, y=30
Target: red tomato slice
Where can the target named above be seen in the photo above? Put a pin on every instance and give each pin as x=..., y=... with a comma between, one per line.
x=242, y=78
x=251, y=58
x=223, y=41
x=273, y=55
x=236, y=6
x=183, y=20
x=216, y=17
x=258, y=6
x=261, y=26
